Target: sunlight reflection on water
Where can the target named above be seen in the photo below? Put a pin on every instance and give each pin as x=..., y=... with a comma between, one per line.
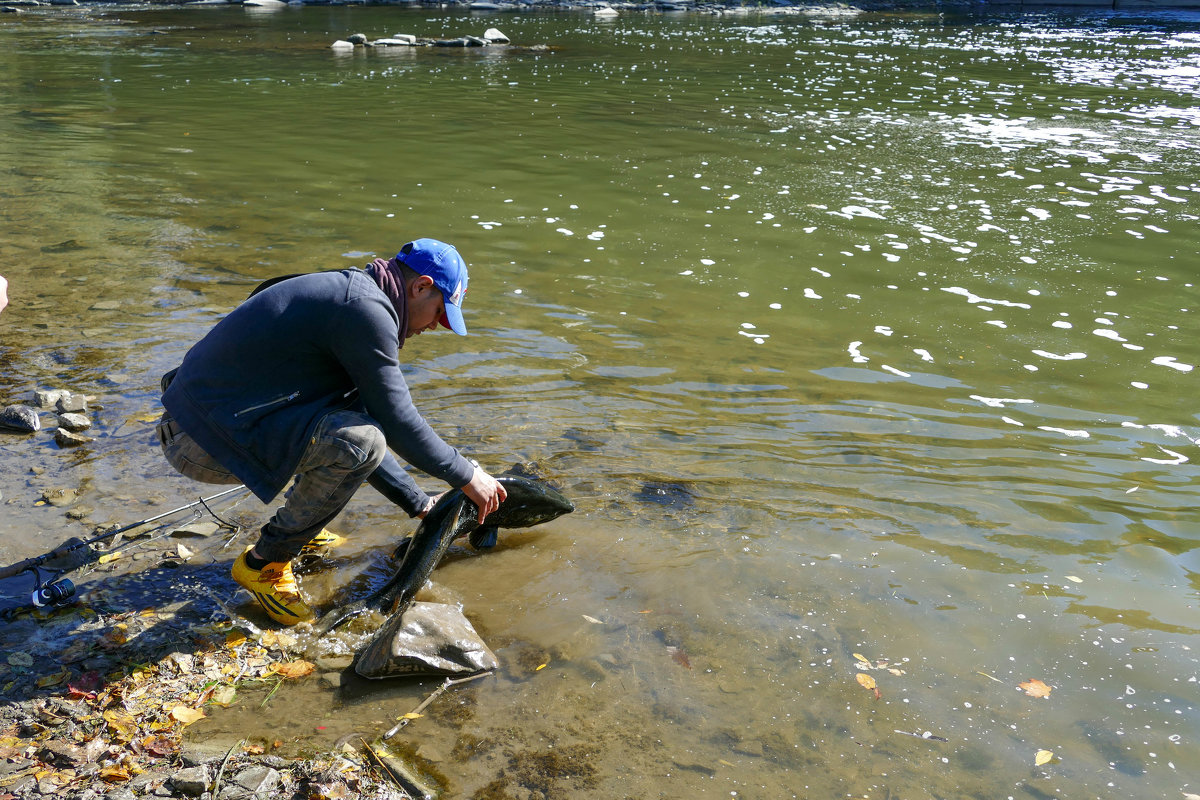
x=848, y=335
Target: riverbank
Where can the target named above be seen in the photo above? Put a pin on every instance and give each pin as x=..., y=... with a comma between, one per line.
x=98, y=698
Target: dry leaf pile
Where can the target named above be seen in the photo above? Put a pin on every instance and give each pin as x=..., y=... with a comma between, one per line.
x=98, y=731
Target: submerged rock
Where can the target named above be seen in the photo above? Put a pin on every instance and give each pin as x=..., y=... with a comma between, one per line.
x=21, y=419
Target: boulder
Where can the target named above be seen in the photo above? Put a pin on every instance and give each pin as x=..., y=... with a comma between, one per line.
x=341, y=44
x=21, y=419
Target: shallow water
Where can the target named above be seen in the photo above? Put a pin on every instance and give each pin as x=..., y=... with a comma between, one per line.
x=847, y=335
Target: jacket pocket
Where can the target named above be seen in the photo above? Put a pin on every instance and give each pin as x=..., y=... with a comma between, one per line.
x=278, y=401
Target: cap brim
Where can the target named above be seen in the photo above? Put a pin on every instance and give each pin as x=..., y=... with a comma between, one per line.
x=453, y=319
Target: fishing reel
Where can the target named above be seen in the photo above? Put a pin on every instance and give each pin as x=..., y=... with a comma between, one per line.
x=54, y=593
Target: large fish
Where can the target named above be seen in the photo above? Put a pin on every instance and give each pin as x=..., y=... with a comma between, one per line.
x=528, y=503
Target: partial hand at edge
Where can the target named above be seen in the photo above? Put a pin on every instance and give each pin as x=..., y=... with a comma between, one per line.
x=486, y=492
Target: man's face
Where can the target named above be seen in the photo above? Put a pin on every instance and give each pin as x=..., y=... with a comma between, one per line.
x=425, y=306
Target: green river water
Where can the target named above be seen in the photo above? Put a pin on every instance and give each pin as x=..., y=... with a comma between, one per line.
x=847, y=333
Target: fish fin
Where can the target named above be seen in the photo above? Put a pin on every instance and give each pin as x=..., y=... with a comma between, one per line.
x=484, y=537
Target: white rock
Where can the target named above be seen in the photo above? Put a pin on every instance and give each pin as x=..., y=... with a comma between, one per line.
x=606, y=11
x=393, y=42
x=342, y=44
x=494, y=35
x=264, y=3
x=407, y=38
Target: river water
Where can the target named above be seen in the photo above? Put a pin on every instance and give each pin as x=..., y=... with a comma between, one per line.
x=851, y=336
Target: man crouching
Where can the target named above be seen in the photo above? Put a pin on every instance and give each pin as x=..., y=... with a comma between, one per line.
x=303, y=381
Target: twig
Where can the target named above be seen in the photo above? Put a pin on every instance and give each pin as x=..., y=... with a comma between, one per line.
x=446, y=684
x=399, y=772
x=278, y=683
x=217, y=783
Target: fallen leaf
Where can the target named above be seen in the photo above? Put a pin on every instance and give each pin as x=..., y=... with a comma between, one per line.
x=592, y=620
x=293, y=669
x=234, y=639
x=186, y=714
x=1073, y=579
x=54, y=679
x=862, y=658
x=1035, y=688
x=224, y=695
x=1042, y=757
x=540, y=666
x=411, y=715
x=679, y=656
x=867, y=682
x=989, y=677
x=108, y=558
x=254, y=749
x=115, y=774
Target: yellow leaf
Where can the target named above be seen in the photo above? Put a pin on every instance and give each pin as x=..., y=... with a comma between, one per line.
x=861, y=658
x=186, y=714
x=53, y=680
x=115, y=774
x=1042, y=757
x=411, y=715
x=293, y=669
x=234, y=639
x=540, y=666
x=224, y=695
x=108, y=558
x=866, y=681
x=1035, y=688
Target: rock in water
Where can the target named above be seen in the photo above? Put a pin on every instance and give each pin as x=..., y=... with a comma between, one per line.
x=65, y=438
x=431, y=639
x=20, y=418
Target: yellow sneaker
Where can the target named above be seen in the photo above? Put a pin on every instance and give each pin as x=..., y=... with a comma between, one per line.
x=320, y=545
x=274, y=587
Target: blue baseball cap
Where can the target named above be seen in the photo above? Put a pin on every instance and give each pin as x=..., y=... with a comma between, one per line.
x=441, y=262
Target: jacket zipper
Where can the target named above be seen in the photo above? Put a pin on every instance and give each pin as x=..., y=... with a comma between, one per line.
x=260, y=406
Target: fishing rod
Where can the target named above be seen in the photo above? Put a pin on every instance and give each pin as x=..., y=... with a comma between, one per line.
x=59, y=592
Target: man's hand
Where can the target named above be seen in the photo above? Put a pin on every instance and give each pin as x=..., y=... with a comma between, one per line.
x=429, y=506
x=486, y=492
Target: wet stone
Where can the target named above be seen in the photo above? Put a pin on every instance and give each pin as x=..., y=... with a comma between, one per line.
x=60, y=498
x=73, y=421
x=335, y=662
x=65, y=438
x=21, y=419
x=196, y=529
x=72, y=402
x=48, y=398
